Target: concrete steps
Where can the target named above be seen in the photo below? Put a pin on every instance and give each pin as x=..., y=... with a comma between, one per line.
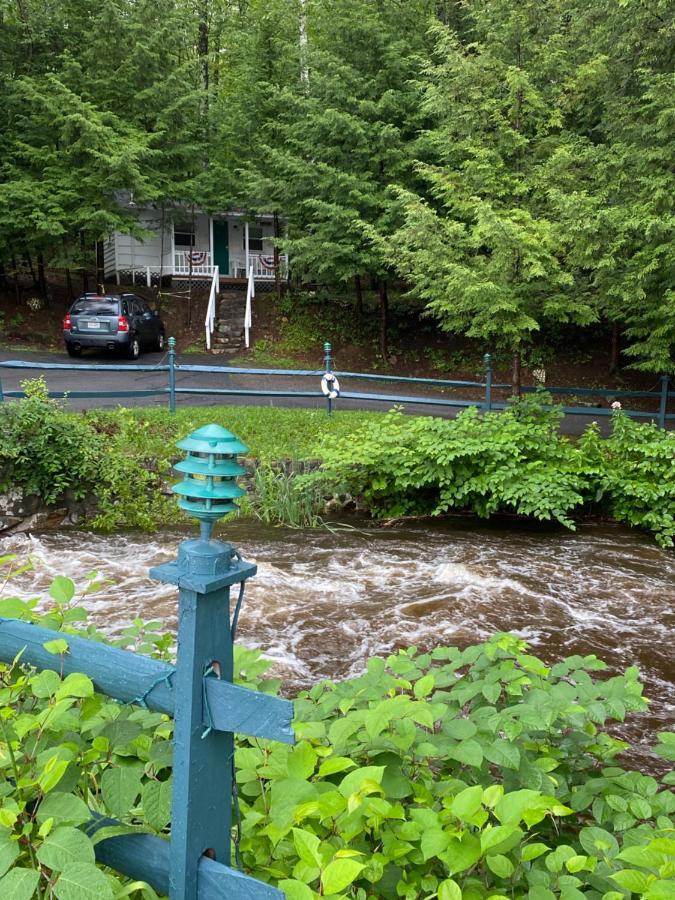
x=228, y=334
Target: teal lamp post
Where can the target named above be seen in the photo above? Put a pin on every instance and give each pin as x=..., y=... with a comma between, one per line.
x=204, y=571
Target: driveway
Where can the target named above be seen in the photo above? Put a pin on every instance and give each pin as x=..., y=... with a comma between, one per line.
x=80, y=377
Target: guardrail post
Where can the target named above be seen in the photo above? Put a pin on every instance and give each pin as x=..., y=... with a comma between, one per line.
x=172, y=374
x=487, y=362
x=663, y=402
x=201, y=809
x=328, y=367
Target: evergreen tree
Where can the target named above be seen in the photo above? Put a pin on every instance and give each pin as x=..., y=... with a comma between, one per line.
x=482, y=245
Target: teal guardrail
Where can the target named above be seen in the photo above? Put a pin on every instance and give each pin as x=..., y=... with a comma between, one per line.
x=329, y=391
x=195, y=862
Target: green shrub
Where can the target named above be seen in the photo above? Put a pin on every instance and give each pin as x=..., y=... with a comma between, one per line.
x=44, y=450
x=477, y=773
x=511, y=461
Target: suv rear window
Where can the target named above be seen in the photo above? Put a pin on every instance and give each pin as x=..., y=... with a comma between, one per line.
x=96, y=306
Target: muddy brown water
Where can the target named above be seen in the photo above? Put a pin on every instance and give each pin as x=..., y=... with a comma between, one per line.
x=323, y=603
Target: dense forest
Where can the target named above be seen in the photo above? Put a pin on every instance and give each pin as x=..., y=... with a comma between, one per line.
x=509, y=161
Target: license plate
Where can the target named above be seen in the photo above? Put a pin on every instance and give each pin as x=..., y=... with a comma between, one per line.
x=94, y=324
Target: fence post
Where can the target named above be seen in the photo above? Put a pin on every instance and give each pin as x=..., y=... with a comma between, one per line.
x=328, y=367
x=663, y=402
x=201, y=809
x=172, y=374
x=487, y=362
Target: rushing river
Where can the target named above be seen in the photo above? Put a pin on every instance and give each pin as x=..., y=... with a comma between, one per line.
x=322, y=602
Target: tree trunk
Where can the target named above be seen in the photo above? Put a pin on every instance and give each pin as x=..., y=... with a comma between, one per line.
x=277, y=270
x=69, y=287
x=615, y=360
x=100, y=267
x=17, y=288
x=359, y=295
x=384, y=319
x=42, y=281
x=516, y=384
x=29, y=262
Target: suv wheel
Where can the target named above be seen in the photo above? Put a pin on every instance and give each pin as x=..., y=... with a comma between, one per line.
x=73, y=350
x=134, y=350
x=159, y=343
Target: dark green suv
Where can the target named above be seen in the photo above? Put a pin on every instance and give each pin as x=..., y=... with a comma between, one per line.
x=120, y=322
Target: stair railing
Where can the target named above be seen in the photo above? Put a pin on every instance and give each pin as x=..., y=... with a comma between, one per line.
x=210, y=320
x=250, y=294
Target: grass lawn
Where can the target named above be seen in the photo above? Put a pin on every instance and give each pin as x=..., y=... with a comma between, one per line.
x=271, y=433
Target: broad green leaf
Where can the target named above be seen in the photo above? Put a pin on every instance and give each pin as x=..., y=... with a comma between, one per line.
x=65, y=809
x=434, y=841
x=532, y=851
x=598, y=842
x=83, y=881
x=9, y=850
x=449, y=890
x=19, y=884
x=120, y=786
x=335, y=764
x=632, y=880
x=461, y=854
x=45, y=684
x=503, y=753
x=339, y=874
x=75, y=685
x=63, y=846
x=467, y=802
x=62, y=589
x=57, y=646
x=52, y=772
x=424, y=686
x=500, y=865
x=295, y=890
x=494, y=837
x=355, y=780
x=468, y=752
x=156, y=802
x=301, y=760
x=307, y=846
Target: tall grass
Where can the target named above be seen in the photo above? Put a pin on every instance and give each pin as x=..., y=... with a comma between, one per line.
x=279, y=498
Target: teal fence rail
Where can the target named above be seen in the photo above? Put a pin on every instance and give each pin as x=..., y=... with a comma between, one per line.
x=208, y=709
x=326, y=380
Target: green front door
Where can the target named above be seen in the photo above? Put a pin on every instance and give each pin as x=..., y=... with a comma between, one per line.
x=221, y=249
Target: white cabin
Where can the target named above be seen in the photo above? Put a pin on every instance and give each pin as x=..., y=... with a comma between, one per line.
x=192, y=246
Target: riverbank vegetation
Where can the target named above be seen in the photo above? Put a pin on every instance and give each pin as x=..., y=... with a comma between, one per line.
x=457, y=774
x=391, y=465
x=514, y=461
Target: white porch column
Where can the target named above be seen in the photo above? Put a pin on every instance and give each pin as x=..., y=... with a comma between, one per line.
x=246, y=247
x=173, y=249
x=213, y=262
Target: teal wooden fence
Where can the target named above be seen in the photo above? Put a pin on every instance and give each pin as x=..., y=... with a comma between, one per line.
x=659, y=399
x=208, y=709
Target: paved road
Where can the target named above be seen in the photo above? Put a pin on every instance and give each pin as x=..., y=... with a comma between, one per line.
x=87, y=380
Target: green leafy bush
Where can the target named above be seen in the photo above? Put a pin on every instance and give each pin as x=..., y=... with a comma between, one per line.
x=512, y=461
x=43, y=450
x=476, y=773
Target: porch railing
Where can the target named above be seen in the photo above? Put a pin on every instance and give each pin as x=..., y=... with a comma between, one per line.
x=197, y=262
x=210, y=320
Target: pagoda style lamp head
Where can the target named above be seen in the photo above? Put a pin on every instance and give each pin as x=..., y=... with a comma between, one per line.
x=210, y=469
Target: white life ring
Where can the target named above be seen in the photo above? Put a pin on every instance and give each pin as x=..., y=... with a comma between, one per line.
x=330, y=386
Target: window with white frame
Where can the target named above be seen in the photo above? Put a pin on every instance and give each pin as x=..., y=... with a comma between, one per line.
x=183, y=235
x=255, y=239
